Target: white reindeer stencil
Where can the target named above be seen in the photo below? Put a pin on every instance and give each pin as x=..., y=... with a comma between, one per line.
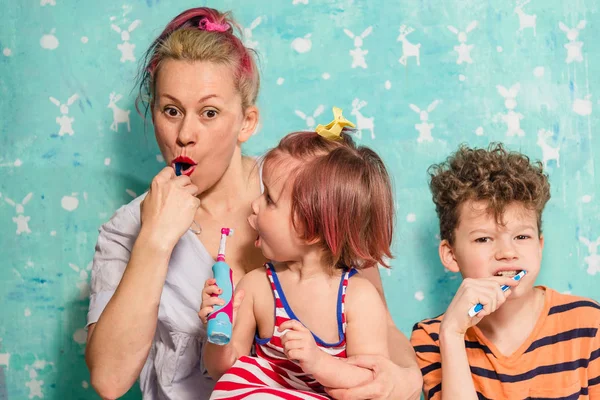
x=548, y=152
x=119, y=115
x=574, y=46
x=21, y=220
x=525, y=20
x=512, y=119
x=408, y=49
x=593, y=260
x=362, y=122
x=358, y=54
x=463, y=49
x=310, y=120
x=424, y=127
x=65, y=122
x=126, y=48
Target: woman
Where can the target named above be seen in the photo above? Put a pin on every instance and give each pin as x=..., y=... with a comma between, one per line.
x=153, y=256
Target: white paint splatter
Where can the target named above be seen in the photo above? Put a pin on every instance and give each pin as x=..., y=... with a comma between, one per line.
x=160, y=158
x=326, y=75
x=84, y=39
x=462, y=78
x=586, y=199
x=499, y=49
x=388, y=85
x=107, y=161
x=45, y=2
x=593, y=260
x=80, y=336
x=18, y=163
x=280, y=81
x=419, y=296
x=583, y=106
x=411, y=217
x=69, y=203
x=27, y=312
x=52, y=233
x=85, y=385
x=303, y=44
x=7, y=52
x=49, y=41
x=538, y=72
x=479, y=131
x=131, y=193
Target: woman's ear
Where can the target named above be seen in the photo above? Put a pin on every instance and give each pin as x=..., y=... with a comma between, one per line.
x=249, y=125
x=447, y=256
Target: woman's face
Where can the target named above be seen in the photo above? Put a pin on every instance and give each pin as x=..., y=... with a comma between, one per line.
x=198, y=119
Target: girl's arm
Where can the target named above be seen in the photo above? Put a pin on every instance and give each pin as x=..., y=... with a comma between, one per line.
x=366, y=333
x=218, y=359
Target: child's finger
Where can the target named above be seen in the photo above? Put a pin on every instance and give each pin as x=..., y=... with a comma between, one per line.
x=291, y=324
x=203, y=314
x=290, y=335
x=213, y=301
x=211, y=291
x=210, y=282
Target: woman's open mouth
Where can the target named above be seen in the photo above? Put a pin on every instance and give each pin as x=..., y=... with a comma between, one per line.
x=183, y=165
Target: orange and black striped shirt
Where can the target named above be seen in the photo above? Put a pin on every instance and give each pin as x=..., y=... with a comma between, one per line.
x=559, y=360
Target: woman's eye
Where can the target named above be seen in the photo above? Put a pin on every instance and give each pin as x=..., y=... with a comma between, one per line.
x=210, y=113
x=171, y=112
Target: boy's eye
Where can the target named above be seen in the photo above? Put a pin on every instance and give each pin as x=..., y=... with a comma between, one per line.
x=482, y=240
x=523, y=237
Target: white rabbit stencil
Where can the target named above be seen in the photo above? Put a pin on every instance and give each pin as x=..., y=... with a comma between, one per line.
x=126, y=48
x=358, y=54
x=65, y=122
x=310, y=120
x=574, y=46
x=511, y=118
x=424, y=127
x=463, y=49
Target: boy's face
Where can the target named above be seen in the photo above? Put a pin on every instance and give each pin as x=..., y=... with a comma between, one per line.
x=483, y=248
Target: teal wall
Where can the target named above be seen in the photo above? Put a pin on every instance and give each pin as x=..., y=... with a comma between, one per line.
x=65, y=167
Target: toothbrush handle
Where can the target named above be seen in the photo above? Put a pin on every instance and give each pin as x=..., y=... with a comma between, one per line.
x=220, y=320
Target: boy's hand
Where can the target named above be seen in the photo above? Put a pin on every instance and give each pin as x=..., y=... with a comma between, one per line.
x=210, y=299
x=299, y=344
x=471, y=292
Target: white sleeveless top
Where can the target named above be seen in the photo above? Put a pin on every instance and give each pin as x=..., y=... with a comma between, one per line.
x=174, y=368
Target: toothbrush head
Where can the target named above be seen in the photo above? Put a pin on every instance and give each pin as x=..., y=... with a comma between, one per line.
x=227, y=231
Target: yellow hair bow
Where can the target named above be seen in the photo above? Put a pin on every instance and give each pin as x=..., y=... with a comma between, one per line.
x=333, y=130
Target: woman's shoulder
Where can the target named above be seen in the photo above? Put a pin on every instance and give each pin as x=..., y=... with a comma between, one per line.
x=126, y=219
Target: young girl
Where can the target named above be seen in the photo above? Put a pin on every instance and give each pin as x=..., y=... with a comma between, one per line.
x=326, y=212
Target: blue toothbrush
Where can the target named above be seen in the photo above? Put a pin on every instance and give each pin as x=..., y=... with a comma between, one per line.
x=478, y=307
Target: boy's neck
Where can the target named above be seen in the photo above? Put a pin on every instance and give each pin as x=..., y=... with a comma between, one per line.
x=512, y=323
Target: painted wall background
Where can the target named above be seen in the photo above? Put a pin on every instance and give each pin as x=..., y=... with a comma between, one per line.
x=419, y=77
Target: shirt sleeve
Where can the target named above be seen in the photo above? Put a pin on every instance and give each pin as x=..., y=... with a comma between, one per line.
x=427, y=349
x=113, y=250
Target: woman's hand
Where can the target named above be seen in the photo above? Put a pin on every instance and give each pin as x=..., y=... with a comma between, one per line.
x=169, y=207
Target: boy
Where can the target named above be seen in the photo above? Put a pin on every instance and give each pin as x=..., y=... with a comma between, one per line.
x=528, y=342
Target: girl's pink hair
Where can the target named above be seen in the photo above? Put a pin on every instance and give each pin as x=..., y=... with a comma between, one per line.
x=341, y=196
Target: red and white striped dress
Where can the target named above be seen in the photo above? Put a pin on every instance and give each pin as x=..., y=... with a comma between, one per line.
x=270, y=375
